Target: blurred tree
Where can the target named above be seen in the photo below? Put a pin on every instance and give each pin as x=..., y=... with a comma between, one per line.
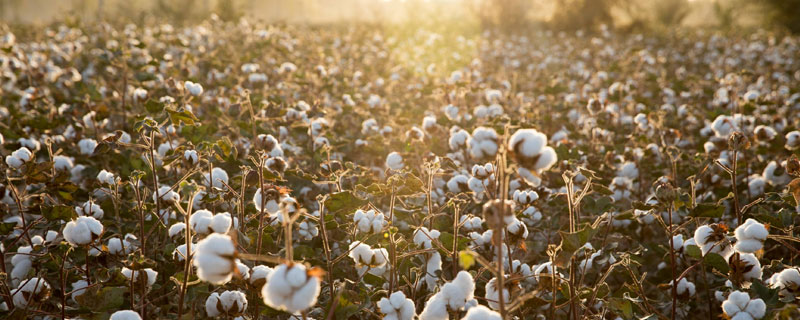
x=783, y=13
x=571, y=15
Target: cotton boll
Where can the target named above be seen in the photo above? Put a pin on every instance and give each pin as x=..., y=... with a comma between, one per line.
x=125, y=315
x=119, y=246
x=470, y=222
x=218, y=176
x=166, y=195
x=750, y=236
x=525, y=197
x=747, y=265
x=19, y=157
x=397, y=307
x=214, y=259
x=712, y=238
x=369, y=221
x=82, y=231
x=493, y=294
x=89, y=208
x=481, y=313
x=149, y=277
x=458, y=183
x=258, y=275
x=458, y=139
x=792, y=140
x=176, y=229
x=194, y=89
x=191, y=157
x=739, y=306
x=87, y=146
x=33, y=290
x=228, y=304
x=685, y=288
x=483, y=143
x=307, y=230
x=394, y=161
x=106, y=178
x=291, y=288
x=424, y=237
x=62, y=163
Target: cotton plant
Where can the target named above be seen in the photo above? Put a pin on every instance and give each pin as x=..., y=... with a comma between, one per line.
x=529, y=149
x=82, y=231
x=397, y=307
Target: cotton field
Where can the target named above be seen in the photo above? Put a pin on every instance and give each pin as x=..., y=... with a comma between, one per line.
x=246, y=170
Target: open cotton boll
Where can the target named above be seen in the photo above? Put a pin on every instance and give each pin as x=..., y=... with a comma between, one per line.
x=530, y=150
x=228, y=304
x=525, y=197
x=367, y=258
x=481, y=313
x=307, y=230
x=397, y=307
x=685, y=288
x=483, y=143
x=62, y=163
x=291, y=288
x=369, y=221
x=424, y=237
x=176, y=229
x=106, y=178
x=167, y=195
x=792, y=140
x=458, y=183
x=214, y=259
x=218, y=176
x=258, y=275
x=750, y=236
x=470, y=222
x=149, y=275
x=747, y=264
x=87, y=146
x=433, y=266
x=19, y=157
x=33, y=290
x=191, y=156
x=458, y=139
x=493, y=294
x=180, y=251
x=394, y=161
x=89, y=208
x=82, y=231
x=739, y=306
x=194, y=89
x=453, y=295
x=125, y=315
x=119, y=246
x=712, y=238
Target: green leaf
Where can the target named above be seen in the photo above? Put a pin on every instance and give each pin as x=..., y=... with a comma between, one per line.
x=184, y=116
x=153, y=106
x=694, y=251
x=571, y=242
x=7, y=227
x=716, y=261
x=343, y=201
x=59, y=212
x=707, y=210
x=97, y=299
